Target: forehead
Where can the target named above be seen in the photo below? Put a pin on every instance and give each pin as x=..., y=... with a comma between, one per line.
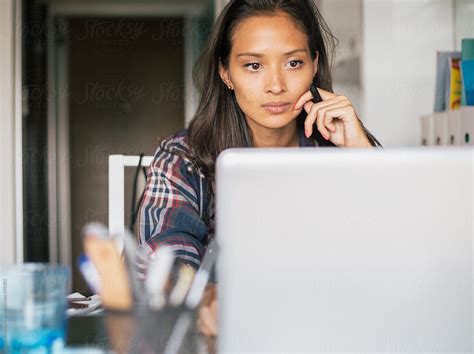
x=268, y=33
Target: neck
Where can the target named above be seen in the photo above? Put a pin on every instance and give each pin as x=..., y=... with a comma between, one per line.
x=275, y=138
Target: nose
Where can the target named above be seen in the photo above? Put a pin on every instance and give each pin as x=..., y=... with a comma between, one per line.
x=275, y=82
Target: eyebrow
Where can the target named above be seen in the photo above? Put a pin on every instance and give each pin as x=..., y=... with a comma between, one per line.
x=258, y=55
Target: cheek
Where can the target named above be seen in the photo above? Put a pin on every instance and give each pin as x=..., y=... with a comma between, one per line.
x=300, y=84
x=247, y=92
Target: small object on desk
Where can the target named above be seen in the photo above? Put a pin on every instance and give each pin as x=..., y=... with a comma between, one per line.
x=78, y=299
x=32, y=307
x=114, y=281
x=77, y=306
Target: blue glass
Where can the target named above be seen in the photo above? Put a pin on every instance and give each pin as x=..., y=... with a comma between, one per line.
x=33, y=308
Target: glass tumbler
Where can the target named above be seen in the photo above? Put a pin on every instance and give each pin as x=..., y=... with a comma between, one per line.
x=33, y=307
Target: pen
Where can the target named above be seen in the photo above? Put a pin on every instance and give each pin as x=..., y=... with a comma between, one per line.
x=314, y=91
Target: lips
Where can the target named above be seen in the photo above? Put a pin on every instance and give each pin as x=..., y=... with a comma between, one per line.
x=276, y=107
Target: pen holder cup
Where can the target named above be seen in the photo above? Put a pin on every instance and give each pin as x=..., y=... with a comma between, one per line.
x=146, y=331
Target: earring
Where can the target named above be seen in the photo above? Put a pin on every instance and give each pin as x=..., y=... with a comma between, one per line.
x=228, y=86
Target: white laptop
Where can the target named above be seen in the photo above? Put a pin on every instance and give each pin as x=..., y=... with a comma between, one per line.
x=345, y=250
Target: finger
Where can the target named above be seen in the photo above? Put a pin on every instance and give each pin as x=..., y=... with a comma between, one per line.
x=308, y=96
x=313, y=112
x=209, y=321
x=203, y=326
x=337, y=113
x=326, y=95
x=310, y=120
x=209, y=295
x=303, y=99
x=213, y=318
x=327, y=114
x=325, y=122
x=308, y=105
x=320, y=123
x=329, y=120
x=213, y=309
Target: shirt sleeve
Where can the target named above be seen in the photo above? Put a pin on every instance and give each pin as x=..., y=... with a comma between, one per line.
x=170, y=211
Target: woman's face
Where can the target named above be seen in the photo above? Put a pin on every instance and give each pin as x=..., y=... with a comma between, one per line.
x=270, y=64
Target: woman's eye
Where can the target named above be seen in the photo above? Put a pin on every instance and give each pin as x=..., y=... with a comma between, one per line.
x=253, y=66
x=295, y=63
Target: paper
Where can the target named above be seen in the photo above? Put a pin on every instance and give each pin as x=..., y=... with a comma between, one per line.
x=94, y=305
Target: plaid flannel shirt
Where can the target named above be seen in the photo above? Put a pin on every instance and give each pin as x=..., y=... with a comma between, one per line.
x=177, y=209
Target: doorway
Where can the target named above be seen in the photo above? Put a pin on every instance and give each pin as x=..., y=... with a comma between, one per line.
x=121, y=84
x=125, y=95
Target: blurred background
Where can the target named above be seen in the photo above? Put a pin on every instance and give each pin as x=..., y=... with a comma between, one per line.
x=82, y=80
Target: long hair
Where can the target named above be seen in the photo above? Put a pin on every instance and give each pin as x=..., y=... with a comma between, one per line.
x=219, y=123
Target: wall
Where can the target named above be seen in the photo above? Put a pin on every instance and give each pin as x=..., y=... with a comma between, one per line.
x=345, y=21
x=464, y=18
x=219, y=5
x=400, y=39
x=10, y=140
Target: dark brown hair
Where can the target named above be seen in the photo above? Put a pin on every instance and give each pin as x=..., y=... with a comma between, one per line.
x=219, y=123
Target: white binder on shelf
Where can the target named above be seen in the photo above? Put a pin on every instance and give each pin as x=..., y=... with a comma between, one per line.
x=440, y=128
x=454, y=128
x=467, y=125
x=427, y=133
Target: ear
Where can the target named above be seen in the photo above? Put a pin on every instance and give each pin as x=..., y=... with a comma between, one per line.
x=224, y=74
x=315, y=63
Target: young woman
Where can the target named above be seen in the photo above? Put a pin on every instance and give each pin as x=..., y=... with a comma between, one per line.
x=262, y=60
